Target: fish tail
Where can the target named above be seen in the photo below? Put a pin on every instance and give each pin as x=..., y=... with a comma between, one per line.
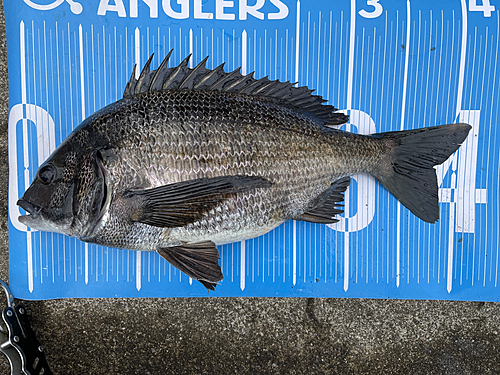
x=408, y=169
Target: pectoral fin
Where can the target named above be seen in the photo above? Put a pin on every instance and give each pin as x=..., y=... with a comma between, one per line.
x=199, y=261
x=328, y=205
x=182, y=203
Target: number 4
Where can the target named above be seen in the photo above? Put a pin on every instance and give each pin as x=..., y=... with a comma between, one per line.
x=486, y=8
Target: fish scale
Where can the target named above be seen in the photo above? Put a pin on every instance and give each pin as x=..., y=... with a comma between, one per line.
x=295, y=157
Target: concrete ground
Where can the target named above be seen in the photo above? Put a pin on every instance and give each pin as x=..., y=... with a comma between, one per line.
x=253, y=335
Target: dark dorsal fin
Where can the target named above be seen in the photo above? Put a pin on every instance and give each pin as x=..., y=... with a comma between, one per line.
x=202, y=78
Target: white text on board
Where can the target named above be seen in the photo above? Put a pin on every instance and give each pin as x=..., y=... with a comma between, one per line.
x=181, y=9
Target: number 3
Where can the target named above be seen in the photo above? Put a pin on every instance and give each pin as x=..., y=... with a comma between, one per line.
x=373, y=14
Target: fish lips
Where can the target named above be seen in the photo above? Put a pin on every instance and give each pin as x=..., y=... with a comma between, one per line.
x=33, y=211
x=33, y=218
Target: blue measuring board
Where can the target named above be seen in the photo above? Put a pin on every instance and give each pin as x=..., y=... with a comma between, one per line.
x=390, y=65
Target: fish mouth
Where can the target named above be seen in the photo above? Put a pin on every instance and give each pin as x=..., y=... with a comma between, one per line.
x=32, y=210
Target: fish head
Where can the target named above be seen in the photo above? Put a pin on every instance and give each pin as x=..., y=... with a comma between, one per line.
x=67, y=193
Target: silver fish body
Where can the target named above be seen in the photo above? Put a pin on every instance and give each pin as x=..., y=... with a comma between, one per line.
x=188, y=135
x=179, y=170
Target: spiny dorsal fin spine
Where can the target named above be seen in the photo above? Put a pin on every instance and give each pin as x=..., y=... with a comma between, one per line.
x=130, y=84
x=202, y=78
x=219, y=84
x=261, y=89
x=271, y=90
x=171, y=80
x=203, y=84
x=257, y=83
x=143, y=75
x=199, y=69
x=157, y=81
x=238, y=89
x=285, y=93
x=234, y=84
x=232, y=81
x=305, y=102
x=300, y=95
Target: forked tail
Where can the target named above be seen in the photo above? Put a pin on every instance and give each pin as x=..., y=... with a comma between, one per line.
x=408, y=171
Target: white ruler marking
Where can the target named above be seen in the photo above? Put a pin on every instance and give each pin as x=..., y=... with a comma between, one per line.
x=138, y=265
x=276, y=54
x=396, y=36
x=485, y=158
x=104, y=74
x=82, y=76
x=403, y=110
x=48, y=136
x=350, y=72
x=191, y=60
x=493, y=97
x=86, y=263
x=472, y=158
x=137, y=52
x=451, y=228
x=117, y=97
x=30, y=156
x=244, y=53
x=424, y=122
x=286, y=55
x=412, y=126
x=453, y=160
x=29, y=245
x=274, y=254
x=242, y=266
x=463, y=51
x=439, y=81
x=287, y=226
x=82, y=93
x=328, y=83
x=308, y=46
x=350, y=77
x=253, y=260
x=138, y=270
x=294, y=251
x=297, y=46
x=71, y=123
x=305, y=252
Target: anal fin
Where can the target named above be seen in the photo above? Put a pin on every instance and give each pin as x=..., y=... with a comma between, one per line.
x=199, y=261
x=328, y=205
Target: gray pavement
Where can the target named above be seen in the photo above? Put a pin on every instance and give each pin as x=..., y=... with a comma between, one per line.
x=253, y=335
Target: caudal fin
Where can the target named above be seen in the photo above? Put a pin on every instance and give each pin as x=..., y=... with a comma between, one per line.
x=408, y=172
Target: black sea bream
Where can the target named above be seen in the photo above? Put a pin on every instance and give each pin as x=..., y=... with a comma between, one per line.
x=193, y=158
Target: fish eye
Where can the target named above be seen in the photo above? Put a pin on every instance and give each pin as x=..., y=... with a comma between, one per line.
x=47, y=174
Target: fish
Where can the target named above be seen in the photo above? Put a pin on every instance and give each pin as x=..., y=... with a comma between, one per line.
x=192, y=158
